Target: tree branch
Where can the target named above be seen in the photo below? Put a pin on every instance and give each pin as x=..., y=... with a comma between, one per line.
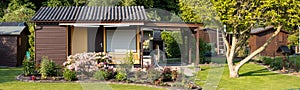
x=259, y=49
x=226, y=43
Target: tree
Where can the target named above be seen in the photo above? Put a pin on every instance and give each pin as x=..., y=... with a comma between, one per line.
x=103, y=2
x=79, y=2
x=169, y=5
x=127, y=3
x=199, y=11
x=146, y=3
x=3, y=6
x=54, y=3
x=293, y=39
x=187, y=13
x=19, y=15
x=16, y=4
x=240, y=16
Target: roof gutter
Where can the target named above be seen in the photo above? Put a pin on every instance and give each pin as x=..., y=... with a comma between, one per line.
x=105, y=24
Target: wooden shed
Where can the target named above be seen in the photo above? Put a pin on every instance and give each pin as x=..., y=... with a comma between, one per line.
x=208, y=35
x=13, y=43
x=259, y=36
x=63, y=31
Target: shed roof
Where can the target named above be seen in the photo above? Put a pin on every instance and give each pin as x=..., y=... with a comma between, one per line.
x=12, y=28
x=90, y=14
x=13, y=24
x=259, y=30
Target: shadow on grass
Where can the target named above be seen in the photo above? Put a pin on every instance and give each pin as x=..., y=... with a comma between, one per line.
x=294, y=89
x=9, y=74
x=261, y=72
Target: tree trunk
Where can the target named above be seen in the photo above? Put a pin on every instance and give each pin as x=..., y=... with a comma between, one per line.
x=233, y=73
x=234, y=69
x=230, y=58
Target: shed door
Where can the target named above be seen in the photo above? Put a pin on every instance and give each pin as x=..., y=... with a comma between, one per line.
x=99, y=44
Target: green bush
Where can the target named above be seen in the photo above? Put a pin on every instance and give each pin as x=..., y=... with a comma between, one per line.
x=121, y=76
x=69, y=75
x=277, y=64
x=31, y=40
x=28, y=67
x=48, y=68
x=172, y=48
x=267, y=60
x=101, y=75
x=130, y=58
x=153, y=74
x=204, y=50
x=295, y=60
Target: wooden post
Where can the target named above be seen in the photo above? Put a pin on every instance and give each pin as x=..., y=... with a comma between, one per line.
x=183, y=46
x=142, y=48
x=197, y=47
x=218, y=42
x=189, y=47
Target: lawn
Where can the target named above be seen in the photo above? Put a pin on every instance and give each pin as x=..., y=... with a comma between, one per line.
x=252, y=77
x=8, y=82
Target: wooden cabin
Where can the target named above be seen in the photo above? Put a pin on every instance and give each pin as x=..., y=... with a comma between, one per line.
x=13, y=43
x=64, y=31
x=259, y=36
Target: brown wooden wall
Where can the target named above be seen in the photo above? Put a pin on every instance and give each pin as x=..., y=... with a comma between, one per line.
x=8, y=51
x=51, y=41
x=208, y=36
x=257, y=40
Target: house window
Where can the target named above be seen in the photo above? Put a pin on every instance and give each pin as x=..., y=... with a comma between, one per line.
x=121, y=40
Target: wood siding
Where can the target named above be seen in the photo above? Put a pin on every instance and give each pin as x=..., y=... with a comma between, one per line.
x=208, y=36
x=257, y=40
x=51, y=41
x=8, y=51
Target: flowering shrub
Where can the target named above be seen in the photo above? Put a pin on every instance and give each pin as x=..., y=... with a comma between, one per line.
x=85, y=64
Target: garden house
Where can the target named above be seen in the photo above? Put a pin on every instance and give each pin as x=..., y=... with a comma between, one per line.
x=13, y=43
x=259, y=36
x=63, y=31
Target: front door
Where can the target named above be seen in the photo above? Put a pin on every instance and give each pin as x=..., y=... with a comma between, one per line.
x=99, y=44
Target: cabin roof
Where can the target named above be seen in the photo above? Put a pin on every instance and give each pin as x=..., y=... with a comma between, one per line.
x=260, y=30
x=90, y=14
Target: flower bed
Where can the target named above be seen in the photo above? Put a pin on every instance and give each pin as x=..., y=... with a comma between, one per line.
x=93, y=67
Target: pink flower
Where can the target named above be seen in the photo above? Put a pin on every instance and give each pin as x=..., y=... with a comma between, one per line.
x=70, y=67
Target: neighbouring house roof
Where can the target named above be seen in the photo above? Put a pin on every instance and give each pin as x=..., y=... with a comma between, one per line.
x=90, y=14
x=13, y=24
x=259, y=30
x=12, y=28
